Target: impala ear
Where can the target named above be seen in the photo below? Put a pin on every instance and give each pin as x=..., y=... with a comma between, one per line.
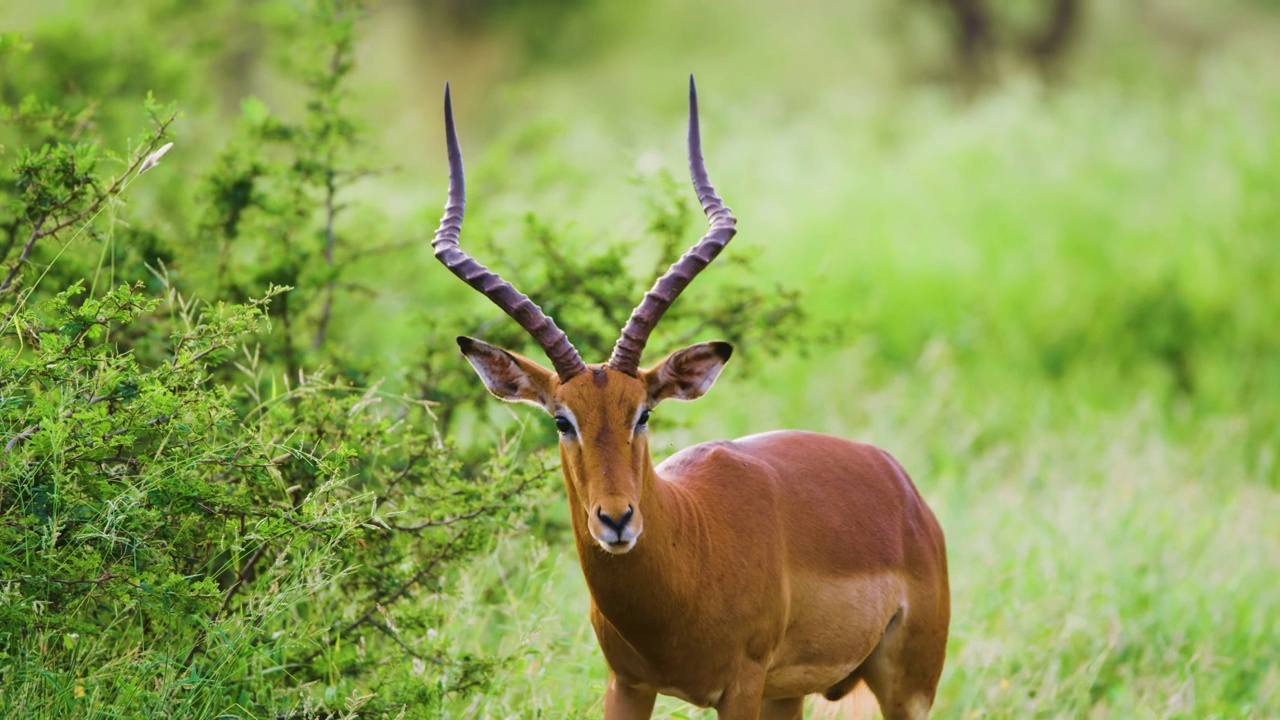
x=509, y=376
x=687, y=374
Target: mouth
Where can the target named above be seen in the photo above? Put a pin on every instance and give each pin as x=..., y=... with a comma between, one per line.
x=617, y=547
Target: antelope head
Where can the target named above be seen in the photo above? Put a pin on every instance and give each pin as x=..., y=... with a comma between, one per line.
x=601, y=411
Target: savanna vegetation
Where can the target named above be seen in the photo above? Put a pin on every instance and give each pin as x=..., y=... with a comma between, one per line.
x=245, y=473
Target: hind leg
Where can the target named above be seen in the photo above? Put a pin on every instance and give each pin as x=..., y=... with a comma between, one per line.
x=788, y=709
x=904, y=669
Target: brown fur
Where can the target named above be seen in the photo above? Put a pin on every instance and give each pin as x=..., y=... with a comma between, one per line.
x=764, y=569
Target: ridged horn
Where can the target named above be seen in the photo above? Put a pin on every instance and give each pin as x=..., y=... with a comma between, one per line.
x=626, y=353
x=564, y=357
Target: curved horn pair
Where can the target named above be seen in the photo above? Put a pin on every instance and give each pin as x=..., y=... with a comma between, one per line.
x=626, y=354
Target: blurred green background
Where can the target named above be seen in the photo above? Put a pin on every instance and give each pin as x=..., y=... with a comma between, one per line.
x=1035, y=245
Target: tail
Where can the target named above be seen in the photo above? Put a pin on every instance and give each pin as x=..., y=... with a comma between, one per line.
x=857, y=705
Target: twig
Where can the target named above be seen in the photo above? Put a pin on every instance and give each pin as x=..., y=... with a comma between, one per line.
x=27, y=433
x=466, y=516
x=26, y=250
x=243, y=575
x=387, y=601
x=96, y=582
x=40, y=231
x=605, y=305
x=330, y=213
x=389, y=247
x=11, y=237
x=249, y=566
x=326, y=310
x=396, y=639
x=212, y=348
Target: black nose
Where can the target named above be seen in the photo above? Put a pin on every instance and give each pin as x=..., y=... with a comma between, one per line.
x=615, y=523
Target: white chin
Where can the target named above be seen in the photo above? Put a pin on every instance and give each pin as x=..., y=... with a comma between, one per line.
x=617, y=548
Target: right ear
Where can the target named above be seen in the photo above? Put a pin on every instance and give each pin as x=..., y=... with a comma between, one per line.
x=687, y=374
x=508, y=376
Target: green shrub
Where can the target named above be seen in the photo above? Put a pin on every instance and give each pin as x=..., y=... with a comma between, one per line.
x=211, y=503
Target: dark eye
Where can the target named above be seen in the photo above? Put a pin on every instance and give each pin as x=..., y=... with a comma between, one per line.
x=644, y=419
x=563, y=425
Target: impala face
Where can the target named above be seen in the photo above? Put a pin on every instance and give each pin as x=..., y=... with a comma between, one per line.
x=602, y=416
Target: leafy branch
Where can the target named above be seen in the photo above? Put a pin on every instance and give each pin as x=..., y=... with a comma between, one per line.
x=50, y=216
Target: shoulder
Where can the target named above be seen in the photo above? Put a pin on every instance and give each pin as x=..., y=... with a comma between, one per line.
x=804, y=442
x=781, y=453
x=716, y=452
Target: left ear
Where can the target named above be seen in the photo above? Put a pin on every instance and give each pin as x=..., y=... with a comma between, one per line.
x=687, y=374
x=508, y=376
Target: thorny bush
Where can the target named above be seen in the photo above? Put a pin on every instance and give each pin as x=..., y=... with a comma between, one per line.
x=209, y=505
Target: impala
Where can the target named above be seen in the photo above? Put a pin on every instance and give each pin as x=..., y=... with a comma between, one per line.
x=741, y=575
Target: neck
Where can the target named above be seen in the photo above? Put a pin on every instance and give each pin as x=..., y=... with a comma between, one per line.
x=634, y=591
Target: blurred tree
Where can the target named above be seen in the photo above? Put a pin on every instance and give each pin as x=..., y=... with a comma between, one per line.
x=1049, y=44
x=981, y=31
x=543, y=31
